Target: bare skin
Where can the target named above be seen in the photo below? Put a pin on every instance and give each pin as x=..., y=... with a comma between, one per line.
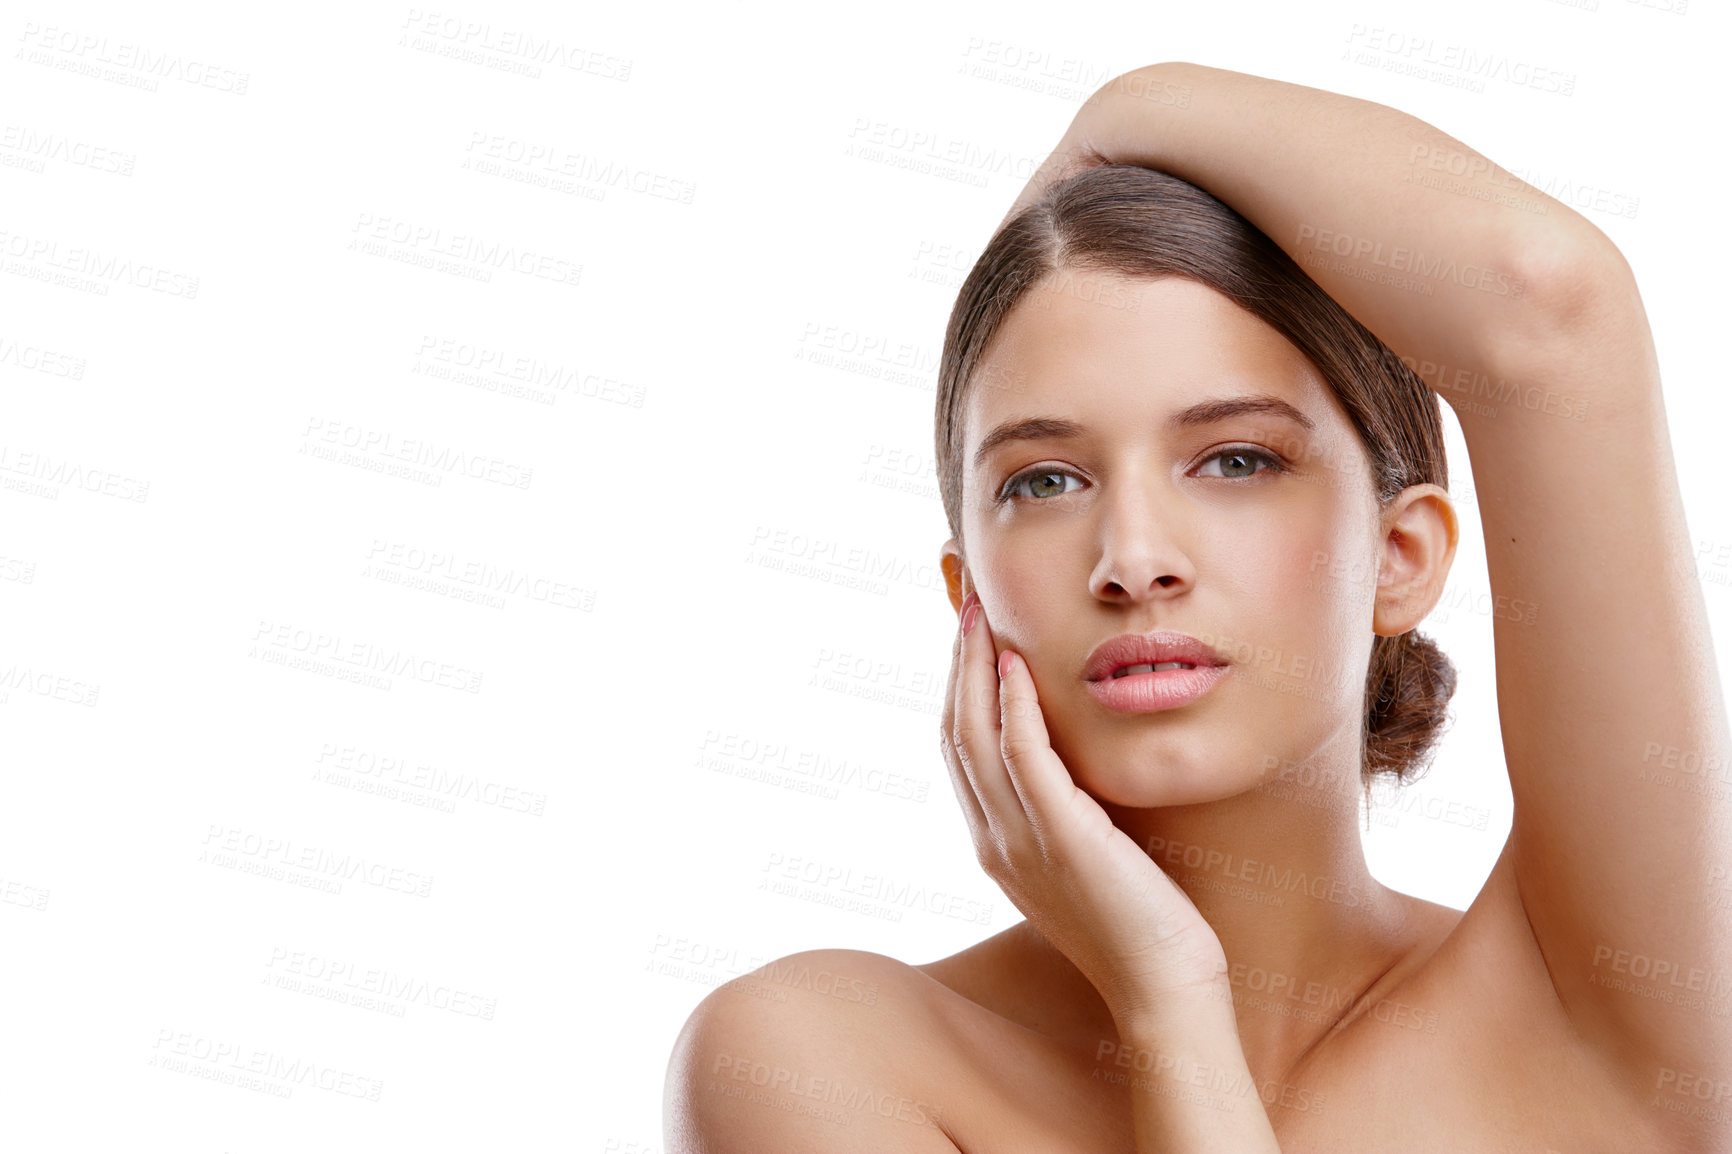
x=1582, y=1002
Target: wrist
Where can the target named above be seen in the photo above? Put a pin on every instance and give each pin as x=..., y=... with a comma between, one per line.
x=1192, y=1088
x=1201, y=1014
x=1129, y=119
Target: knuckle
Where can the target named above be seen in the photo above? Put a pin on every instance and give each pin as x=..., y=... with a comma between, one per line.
x=1022, y=848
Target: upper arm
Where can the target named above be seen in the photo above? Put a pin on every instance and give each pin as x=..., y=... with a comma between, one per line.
x=1613, y=720
x=778, y=1060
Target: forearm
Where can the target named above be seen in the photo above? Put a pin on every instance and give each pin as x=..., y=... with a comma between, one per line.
x=1430, y=245
x=1190, y=1087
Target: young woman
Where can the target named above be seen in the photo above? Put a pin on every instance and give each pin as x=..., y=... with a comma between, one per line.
x=1191, y=453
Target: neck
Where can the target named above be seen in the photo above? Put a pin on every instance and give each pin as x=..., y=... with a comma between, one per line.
x=1279, y=873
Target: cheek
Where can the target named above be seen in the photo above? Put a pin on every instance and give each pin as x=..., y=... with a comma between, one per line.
x=1325, y=617
x=1018, y=591
x=1318, y=551
x=1297, y=594
x=1273, y=567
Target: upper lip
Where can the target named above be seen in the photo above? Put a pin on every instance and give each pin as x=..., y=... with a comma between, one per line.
x=1147, y=649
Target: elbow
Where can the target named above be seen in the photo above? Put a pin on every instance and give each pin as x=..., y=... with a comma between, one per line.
x=1572, y=276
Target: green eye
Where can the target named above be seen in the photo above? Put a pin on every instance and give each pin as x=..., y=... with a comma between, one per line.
x=1043, y=484
x=1038, y=481
x=1238, y=463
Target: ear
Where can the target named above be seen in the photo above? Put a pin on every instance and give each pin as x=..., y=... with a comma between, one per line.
x=1419, y=538
x=957, y=580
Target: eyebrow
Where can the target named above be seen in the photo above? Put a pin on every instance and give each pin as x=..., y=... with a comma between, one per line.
x=1202, y=413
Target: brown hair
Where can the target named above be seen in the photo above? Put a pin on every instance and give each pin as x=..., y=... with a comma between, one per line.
x=1136, y=221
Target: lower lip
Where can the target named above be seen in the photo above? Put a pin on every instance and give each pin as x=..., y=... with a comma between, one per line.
x=1150, y=692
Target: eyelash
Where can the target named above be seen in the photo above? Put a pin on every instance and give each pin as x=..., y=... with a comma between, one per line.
x=1274, y=463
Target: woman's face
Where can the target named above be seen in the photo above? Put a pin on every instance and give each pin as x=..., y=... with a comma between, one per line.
x=1236, y=524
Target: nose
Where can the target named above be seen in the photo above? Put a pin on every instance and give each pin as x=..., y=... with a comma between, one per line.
x=1142, y=557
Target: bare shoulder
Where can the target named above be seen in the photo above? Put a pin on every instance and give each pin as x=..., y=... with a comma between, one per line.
x=1020, y=977
x=845, y=1050
x=1472, y=1018
x=822, y=1051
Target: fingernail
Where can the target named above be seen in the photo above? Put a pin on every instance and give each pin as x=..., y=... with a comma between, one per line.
x=970, y=610
x=1004, y=660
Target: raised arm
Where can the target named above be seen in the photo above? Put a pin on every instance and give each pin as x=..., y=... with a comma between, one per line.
x=1349, y=189
x=1526, y=318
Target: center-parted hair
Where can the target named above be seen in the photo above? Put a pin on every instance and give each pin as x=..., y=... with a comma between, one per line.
x=1136, y=221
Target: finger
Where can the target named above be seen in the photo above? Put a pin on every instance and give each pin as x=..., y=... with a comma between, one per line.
x=971, y=811
x=962, y=761
x=1040, y=779
x=978, y=733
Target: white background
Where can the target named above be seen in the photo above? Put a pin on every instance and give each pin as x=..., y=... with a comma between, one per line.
x=722, y=486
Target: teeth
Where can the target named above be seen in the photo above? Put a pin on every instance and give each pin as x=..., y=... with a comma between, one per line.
x=1146, y=668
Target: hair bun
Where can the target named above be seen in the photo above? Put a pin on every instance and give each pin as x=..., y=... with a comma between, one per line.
x=1407, y=692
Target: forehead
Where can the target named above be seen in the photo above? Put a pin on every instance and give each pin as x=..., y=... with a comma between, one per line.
x=1110, y=350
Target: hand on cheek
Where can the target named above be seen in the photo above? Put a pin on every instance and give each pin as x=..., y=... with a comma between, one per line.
x=1083, y=883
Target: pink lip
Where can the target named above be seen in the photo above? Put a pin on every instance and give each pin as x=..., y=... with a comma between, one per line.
x=1147, y=649
x=1151, y=691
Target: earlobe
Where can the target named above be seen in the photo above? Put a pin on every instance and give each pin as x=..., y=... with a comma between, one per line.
x=958, y=583
x=1420, y=532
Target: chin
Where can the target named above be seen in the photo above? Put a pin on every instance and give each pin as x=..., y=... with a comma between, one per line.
x=1153, y=778
x=1151, y=792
